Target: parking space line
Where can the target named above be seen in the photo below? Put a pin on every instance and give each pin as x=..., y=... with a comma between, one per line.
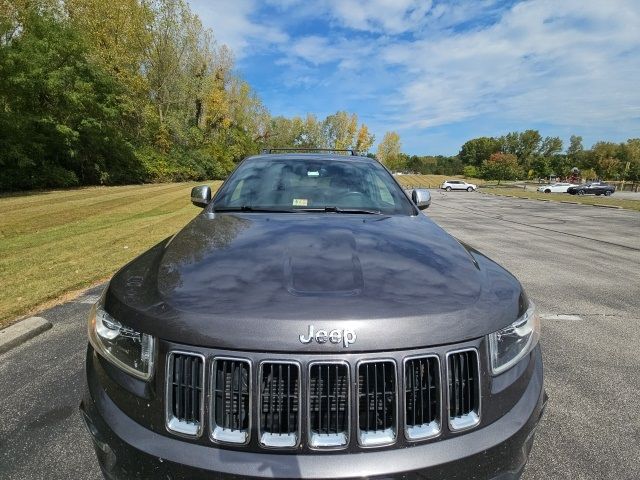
x=560, y=316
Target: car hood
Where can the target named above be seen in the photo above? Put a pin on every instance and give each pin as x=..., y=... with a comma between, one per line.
x=257, y=281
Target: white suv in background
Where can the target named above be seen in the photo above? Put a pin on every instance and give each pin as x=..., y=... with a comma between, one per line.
x=449, y=185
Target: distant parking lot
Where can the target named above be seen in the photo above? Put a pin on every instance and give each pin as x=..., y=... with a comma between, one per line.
x=623, y=195
x=578, y=263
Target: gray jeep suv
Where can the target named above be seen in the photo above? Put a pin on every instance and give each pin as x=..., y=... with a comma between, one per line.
x=312, y=323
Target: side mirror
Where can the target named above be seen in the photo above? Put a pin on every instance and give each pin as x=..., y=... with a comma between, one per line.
x=421, y=197
x=201, y=196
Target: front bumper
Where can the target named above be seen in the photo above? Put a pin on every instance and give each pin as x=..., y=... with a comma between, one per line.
x=126, y=449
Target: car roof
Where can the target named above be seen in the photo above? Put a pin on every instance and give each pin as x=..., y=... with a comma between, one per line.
x=313, y=156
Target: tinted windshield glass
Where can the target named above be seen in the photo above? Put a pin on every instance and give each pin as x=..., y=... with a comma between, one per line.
x=306, y=184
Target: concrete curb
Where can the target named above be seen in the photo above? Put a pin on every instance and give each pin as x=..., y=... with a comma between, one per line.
x=20, y=332
x=608, y=206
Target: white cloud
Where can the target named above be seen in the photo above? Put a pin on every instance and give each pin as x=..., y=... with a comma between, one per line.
x=283, y=4
x=388, y=16
x=565, y=63
x=317, y=50
x=232, y=25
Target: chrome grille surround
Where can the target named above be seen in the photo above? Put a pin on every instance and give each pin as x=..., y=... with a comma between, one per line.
x=329, y=441
x=272, y=439
x=388, y=435
x=220, y=434
x=459, y=423
x=173, y=423
x=432, y=429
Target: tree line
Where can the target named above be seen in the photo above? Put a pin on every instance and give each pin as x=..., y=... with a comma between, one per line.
x=522, y=155
x=127, y=91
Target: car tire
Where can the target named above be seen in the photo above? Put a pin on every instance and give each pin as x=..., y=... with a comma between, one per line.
x=580, y=192
x=547, y=191
x=608, y=193
x=469, y=189
x=448, y=189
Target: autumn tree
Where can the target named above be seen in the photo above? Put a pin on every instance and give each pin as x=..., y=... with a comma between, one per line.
x=631, y=169
x=117, y=36
x=311, y=133
x=608, y=168
x=549, y=146
x=478, y=150
x=601, y=152
x=501, y=166
x=575, y=151
x=340, y=130
x=337, y=131
x=364, y=140
x=389, y=151
x=178, y=61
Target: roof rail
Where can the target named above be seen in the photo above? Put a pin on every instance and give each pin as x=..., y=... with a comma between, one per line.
x=352, y=152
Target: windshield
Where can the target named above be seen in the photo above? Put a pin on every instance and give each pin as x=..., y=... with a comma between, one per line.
x=295, y=184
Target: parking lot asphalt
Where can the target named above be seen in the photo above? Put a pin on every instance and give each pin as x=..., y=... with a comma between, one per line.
x=578, y=263
x=628, y=195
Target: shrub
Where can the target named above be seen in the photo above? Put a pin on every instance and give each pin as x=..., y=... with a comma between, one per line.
x=470, y=171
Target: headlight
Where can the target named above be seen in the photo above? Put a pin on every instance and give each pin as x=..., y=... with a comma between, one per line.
x=127, y=349
x=509, y=345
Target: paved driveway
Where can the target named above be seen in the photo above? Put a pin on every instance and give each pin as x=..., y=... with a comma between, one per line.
x=574, y=260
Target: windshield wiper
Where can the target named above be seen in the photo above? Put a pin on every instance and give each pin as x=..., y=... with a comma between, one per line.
x=248, y=208
x=343, y=210
x=332, y=209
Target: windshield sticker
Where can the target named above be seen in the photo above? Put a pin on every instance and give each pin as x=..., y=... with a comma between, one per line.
x=300, y=202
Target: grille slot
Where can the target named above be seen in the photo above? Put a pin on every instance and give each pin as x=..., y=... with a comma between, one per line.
x=185, y=393
x=231, y=400
x=422, y=397
x=377, y=403
x=279, y=404
x=464, y=389
x=328, y=405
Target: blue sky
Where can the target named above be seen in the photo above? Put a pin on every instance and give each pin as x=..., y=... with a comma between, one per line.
x=440, y=73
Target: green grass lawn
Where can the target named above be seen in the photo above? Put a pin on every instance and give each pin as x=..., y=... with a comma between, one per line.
x=55, y=242
x=565, y=197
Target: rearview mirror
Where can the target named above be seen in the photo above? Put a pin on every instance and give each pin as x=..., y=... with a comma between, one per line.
x=201, y=196
x=421, y=197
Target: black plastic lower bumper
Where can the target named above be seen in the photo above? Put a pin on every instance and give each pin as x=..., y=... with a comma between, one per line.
x=127, y=450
